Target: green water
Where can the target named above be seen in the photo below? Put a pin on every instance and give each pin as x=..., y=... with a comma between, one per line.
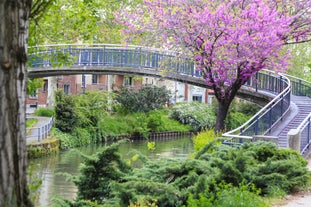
x=55, y=185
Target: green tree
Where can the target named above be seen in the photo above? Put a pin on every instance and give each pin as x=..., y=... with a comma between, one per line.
x=66, y=118
x=146, y=99
x=33, y=84
x=87, y=21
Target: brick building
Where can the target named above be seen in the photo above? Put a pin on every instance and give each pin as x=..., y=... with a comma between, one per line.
x=76, y=84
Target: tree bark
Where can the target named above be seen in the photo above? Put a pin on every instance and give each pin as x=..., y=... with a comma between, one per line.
x=223, y=108
x=14, y=16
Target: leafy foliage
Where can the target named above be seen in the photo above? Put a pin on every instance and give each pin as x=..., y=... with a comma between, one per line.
x=33, y=84
x=66, y=117
x=92, y=106
x=203, y=138
x=229, y=41
x=199, y=116
x=219, y=176
x=44, y=112
x=146, y=99
x=99, y=173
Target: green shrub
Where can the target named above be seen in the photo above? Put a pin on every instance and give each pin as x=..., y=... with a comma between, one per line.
x=199, y=116
x=226, y=195
x=146, y=99
x=77, y=138
x=45, y=112
x=155, y=122
x=236, y=119
x=223, y=176
x=113, y=126
x=66, y=117
x=203, y=138
x=31, y=122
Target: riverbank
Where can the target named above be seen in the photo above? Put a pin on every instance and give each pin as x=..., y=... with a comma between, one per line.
x=42, y=148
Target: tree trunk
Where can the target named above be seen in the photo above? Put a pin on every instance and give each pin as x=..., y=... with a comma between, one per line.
x=223, y=108
x=13, y=45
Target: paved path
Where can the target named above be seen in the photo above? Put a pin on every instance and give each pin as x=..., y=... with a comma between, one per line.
x=32, y=133
x=301, y=199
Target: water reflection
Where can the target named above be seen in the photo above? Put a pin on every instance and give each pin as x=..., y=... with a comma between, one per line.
x=49, y=168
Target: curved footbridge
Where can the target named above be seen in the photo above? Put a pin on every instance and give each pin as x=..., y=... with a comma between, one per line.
x=284, y=118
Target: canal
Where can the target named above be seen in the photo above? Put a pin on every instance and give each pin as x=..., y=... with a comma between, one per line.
x=50, y=169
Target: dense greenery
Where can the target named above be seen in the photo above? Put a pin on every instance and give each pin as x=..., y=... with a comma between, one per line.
x=94, y=116
x=199, y=116
x=219, y=175
x=239, y=112
x=143, y=100
x=44, y=112
x=66, y=118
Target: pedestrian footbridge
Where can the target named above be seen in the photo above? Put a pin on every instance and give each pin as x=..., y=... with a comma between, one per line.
x=284, y=117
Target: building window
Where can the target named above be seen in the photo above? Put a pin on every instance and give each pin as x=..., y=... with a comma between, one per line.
x=128, y=81
x=197, y=98
x=66, y=88
x=94, y=79
x=45, y=87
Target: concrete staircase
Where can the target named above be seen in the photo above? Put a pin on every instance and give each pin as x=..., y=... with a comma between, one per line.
x=300, y=109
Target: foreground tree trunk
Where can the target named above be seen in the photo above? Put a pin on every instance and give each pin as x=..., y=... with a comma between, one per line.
x=223, y=108
x=14, y=16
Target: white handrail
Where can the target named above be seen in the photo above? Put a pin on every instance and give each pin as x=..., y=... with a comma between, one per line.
x=273, y=101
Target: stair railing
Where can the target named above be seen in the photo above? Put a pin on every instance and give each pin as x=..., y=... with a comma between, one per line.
x=270, y=114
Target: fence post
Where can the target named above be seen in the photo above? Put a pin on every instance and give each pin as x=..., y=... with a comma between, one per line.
x=293, y=139
x=309, y=131
x=38, y=134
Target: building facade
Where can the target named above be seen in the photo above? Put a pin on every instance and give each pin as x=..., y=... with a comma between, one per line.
x=77, y=84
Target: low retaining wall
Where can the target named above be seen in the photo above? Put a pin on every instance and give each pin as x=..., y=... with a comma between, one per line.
x=46, y=147
x=154, y=135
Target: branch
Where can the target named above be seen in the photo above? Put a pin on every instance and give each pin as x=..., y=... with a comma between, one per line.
x=38, y=8
x=300, y=42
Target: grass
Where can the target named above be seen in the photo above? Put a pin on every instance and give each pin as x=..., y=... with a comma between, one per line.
x=31, y=122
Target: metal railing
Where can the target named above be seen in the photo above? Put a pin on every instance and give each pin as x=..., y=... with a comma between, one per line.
x=109, y=55
x=270, y=114
x=305, y=134
x=302, y=87
x=40, y=133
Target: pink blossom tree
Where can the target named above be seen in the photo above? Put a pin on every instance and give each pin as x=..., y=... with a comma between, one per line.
x=228, y=40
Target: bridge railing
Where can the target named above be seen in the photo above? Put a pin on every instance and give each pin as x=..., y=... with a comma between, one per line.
x=40, y=133
x=270, y=114
x=302, y=87
x=108, y=55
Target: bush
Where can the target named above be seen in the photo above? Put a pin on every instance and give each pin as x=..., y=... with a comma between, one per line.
x=146, y=99
x=226, y=195
x=236, y=119
x=199, y=116
x=203, y=138
x=66, y=118
x=77, y=138
x=224, y=176
x=45, y=112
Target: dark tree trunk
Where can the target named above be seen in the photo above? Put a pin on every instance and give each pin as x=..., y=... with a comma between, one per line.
x=223, y=108
x=13, y=160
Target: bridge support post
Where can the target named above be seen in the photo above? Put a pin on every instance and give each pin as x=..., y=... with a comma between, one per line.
x=293, y=139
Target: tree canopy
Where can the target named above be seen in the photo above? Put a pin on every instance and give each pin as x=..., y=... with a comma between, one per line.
x=229, y=41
